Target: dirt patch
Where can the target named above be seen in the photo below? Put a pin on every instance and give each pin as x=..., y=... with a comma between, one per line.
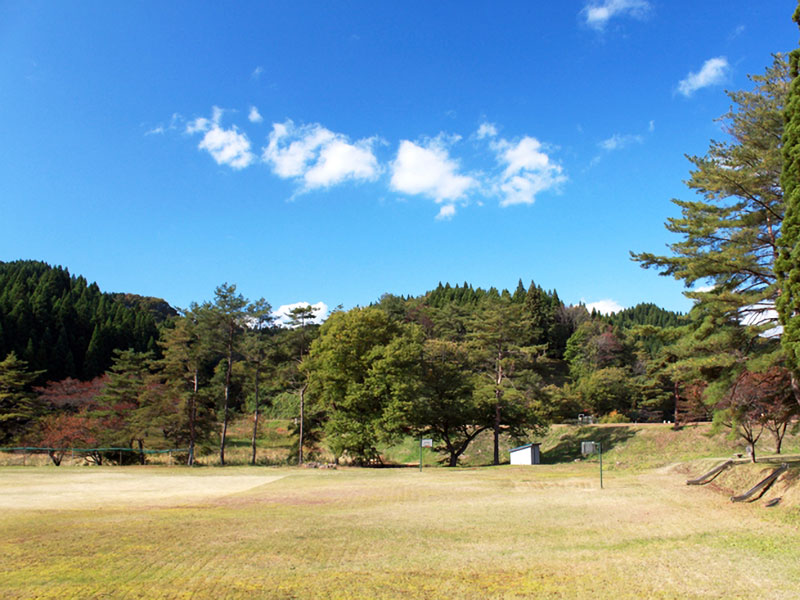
x=81, y=490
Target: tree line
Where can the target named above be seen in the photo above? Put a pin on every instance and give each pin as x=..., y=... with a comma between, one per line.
x=460, y=360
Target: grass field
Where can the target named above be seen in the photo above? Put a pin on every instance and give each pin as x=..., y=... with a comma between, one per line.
x=504, y=532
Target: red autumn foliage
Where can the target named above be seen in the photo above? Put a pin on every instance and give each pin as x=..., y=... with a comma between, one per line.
x=72, y=394
x=67, y=430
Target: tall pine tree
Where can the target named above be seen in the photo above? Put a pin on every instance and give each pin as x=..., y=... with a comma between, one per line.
x=787, y=267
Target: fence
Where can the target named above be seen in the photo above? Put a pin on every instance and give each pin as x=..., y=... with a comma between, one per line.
x=96, y=455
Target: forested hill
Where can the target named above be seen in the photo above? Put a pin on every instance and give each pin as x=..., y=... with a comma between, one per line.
x=646, y=314
x=467, y=295
x=66, y=326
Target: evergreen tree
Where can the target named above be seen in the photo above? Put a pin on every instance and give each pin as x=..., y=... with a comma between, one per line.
x=787, y=266
x=729, y=234
x=256, y=349
x=730, y=239
x=18, y=404
x=500, y=354
x=223, y=321
x=184, y=362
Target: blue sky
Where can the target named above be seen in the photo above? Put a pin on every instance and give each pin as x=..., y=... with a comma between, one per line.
x=332, y=152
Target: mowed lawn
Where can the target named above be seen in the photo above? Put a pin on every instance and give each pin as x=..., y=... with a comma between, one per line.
x=507, y=532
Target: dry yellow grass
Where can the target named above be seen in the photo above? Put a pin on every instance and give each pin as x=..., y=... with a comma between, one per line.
x=508, y=532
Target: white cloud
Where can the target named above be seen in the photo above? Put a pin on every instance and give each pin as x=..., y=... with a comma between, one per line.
x=319, y=156
x=486, y=130
x=256, y=74
x=651, y=126
x=255, y=116
x=704, y=288
x=199, y=124
x=226, y=146
x=428, y=170
x=281, y=314
x=598, y=13
x=340, y=160
x=713, y=72
x=619, y=141
x=446, y=213
x=528, y=170
x=737, y=32
x=605, y=307
x=761, y=314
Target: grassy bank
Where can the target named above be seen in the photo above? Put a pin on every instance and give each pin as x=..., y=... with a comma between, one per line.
x=626, y=447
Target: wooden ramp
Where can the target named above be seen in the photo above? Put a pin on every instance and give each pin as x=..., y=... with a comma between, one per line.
x=762, y=486
x=708, y=477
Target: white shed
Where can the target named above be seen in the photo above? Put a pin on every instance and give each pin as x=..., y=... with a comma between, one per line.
x=525, y=455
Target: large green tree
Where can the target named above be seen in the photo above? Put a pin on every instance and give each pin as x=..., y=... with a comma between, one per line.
x=498, y=339
x=443, y=405
x=787, y=266
x=350, y=382
x=729, y=232
x=729, y=241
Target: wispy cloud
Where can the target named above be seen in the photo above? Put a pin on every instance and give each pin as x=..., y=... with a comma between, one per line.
x=318, y=156
x=618, y=141
x=736, y=32
x=426, y=168
x=161, y=129
x=713, y=72
x=598, y=13
x=254, y=116
x=227, y=146
x=527, y=170
x=257, y=72
x=486, y=130
x=446, y=212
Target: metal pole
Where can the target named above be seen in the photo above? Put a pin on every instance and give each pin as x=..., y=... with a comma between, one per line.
x=600, y=449
x=420, y=455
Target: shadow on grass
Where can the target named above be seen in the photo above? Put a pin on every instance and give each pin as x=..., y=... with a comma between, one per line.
x=569, y=446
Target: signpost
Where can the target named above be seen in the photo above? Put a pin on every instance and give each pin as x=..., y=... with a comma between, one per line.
x=588, y=448
x=423, y=443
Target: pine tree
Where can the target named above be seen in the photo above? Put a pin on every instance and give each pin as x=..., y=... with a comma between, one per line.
x=729, y=234
x=787, y=266
x=730, y=239
x=18, y=405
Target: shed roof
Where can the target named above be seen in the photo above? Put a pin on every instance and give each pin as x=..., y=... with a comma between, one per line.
x=525, y=446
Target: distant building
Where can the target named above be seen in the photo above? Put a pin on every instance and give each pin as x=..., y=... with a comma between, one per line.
x=525, y=455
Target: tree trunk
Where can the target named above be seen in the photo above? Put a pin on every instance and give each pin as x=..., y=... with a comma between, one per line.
x=498, y=394
x=753, y=451
x=192, y=420
x=255, y=423
x=141, y=451
x=676, y=393
x=302, y=417
x=227, y=393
